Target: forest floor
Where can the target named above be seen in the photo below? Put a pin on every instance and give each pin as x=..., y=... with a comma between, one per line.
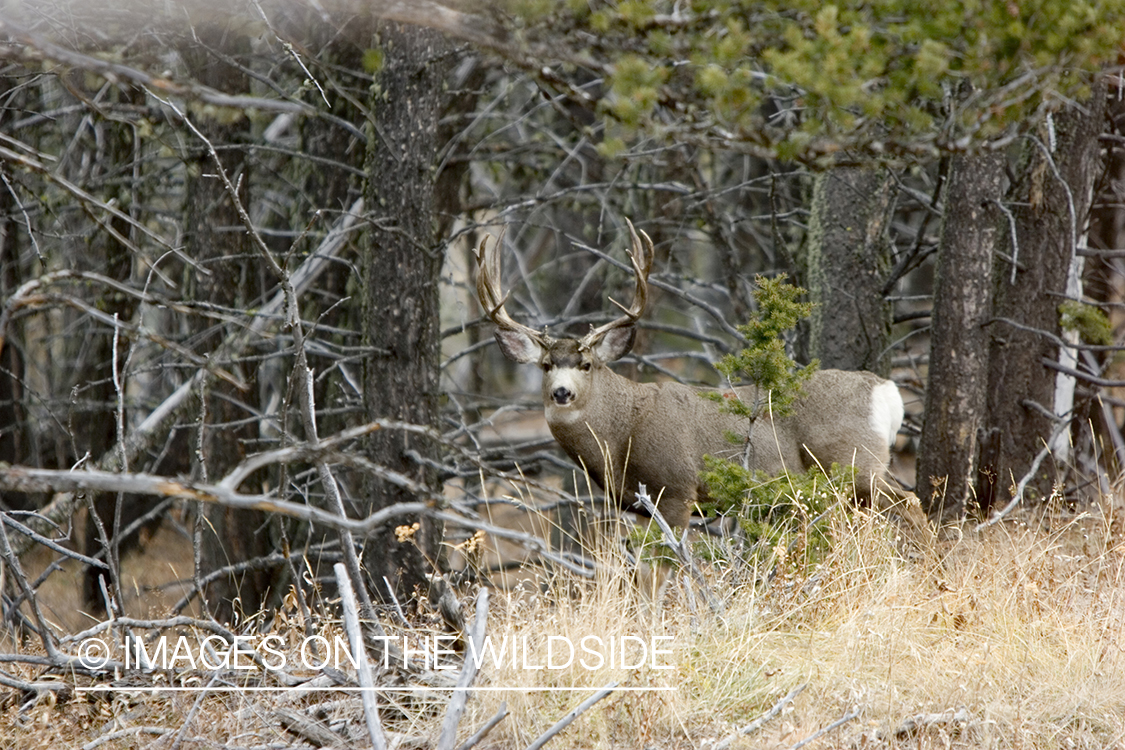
x=1008, y=637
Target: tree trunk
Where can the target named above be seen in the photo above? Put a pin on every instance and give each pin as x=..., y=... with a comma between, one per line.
x=15, y=433
x=1100, y=284
x=401, y=270
x=1050, y=205
x=958, y=374
x=96, y=430
x=216, y=241
x=847, y=261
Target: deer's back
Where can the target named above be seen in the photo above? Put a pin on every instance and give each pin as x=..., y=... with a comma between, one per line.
x=842, y=417
x=658, y=433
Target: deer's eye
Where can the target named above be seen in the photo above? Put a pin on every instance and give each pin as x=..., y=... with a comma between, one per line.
x=547, y=366
x=585, y=366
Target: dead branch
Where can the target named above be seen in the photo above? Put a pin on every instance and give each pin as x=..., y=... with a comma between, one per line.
x=468, y=675
x=138, y=331
x=90, y=201
x=759, y=722
x=480, y=734
x=156, y=425
x=680, y=548
x=36, y=47
x=308, y=728
x=258, y=563
x=1055, y=339
x=32, y=687
x=28, y=479
x=1017, y=496
x=1087, y=377
x=130, y=732
x=50, y=544
x=359, y=651
x=851, y=715
x=27, y=293
x=46, y=635
x=566, y=721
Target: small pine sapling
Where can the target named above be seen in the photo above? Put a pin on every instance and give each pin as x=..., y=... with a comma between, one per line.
x=763, y=362
x=774, y=513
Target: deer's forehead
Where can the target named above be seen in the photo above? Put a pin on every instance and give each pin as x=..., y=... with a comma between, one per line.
x=566, y=353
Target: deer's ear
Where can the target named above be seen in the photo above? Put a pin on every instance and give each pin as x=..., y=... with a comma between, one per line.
x=518, y=346
x=615, y=344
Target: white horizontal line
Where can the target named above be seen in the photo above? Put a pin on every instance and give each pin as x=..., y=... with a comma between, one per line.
x=346, y=689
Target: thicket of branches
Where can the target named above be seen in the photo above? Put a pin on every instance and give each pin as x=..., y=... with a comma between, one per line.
x=191, y=236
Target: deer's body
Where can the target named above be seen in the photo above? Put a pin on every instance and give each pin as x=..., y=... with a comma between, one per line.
x=626, y=433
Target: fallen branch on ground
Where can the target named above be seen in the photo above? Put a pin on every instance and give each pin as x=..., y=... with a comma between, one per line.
x=759, y=722
x=680, y=548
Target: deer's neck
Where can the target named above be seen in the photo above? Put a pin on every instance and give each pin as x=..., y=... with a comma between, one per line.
x=605, y=422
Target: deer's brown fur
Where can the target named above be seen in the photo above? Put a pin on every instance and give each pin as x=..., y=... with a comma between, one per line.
x=626, y=433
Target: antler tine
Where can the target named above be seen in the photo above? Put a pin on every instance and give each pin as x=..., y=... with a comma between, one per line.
x=641, y=254
x=489, y=291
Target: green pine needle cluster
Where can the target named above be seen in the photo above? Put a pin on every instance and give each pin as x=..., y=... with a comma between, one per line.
x=1091, y=323
x=776, y=515
x=763, y=362
x=804, y=80
x=771, y=512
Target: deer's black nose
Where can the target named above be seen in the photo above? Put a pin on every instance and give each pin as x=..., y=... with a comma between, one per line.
x=562, y=396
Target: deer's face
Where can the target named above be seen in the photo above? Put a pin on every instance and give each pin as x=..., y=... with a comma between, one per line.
x=569, y=374
x=572, y=369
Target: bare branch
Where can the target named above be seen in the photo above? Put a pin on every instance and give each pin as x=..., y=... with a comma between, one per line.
x=157, y=424
x=1055, y=339
x=759, y=722
x=480, y=734
x=566, y=721
x=1017, y=496
x=359, y=651
x=680, y=548
x=851, y=715
x=36, y=47
x=467, y=676
x=90, y=201
x=1088, y=377
x=28, y=479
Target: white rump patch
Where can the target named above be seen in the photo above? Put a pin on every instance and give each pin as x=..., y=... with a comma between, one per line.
x=886, y=411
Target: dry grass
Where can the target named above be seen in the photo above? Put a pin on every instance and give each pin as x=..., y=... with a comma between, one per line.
x=1013, y=638
x=1020, y=629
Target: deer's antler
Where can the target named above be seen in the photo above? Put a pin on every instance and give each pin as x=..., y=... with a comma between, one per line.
x=491, y=296
x=641, y=253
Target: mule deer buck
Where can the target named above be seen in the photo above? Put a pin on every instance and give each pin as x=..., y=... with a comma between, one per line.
x=624, y=433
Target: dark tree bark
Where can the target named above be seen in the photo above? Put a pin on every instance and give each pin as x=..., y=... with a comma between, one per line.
x=401, y=270
x=14, y=432
x=958, y=373
x=12, y=418
x=331, y=177
x=847, y=261
x=1100, y=276
x=97, y=428
x=216, y=240
x=1050, y=203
